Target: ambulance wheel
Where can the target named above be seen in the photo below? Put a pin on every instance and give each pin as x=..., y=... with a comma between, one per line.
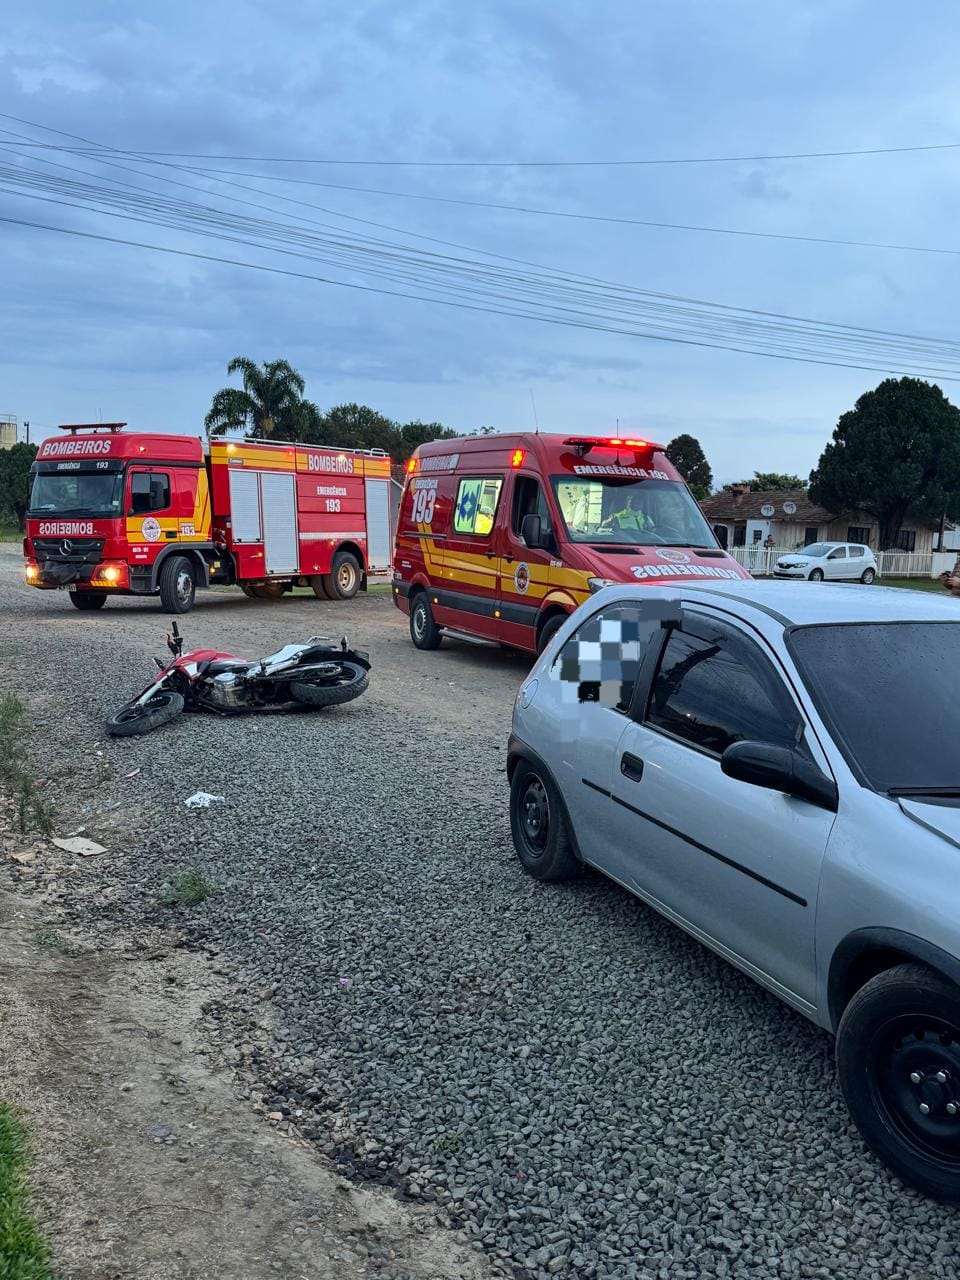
x=343, y=581
x=318, y=587
x=549, y=630
x=88, y=599
x=178, y=586
x=424, y=632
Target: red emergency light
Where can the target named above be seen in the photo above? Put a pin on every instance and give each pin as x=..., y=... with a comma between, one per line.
x=583, y=444
x=517, y=457
x=412, y=465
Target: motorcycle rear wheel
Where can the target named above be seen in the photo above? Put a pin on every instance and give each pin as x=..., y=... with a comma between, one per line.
x=349, y=683
x=145, y=716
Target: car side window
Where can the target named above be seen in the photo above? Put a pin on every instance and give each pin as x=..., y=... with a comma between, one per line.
x=601, y=661
x=855, y=552
x=714, y=687
x=476, y=504
x=839, y=554
x=149, y=491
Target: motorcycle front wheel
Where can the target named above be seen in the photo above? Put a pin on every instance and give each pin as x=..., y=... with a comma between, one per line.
x=143, y=716
x=348, y=683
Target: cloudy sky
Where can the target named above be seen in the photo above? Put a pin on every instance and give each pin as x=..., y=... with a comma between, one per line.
x=95, y=328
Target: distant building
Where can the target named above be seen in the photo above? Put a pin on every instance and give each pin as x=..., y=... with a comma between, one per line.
x=743, y=518
x=8, y=430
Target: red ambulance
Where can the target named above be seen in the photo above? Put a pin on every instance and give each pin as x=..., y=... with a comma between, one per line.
x=501, y=537
x=115, y=512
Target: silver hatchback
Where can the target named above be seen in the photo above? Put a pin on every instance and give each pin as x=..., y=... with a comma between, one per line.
x=777, y=771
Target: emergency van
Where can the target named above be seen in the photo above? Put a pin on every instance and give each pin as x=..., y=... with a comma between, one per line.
x=501, y=537
x=115, y=512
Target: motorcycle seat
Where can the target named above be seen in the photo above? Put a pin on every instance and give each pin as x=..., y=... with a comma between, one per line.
x=220, y=666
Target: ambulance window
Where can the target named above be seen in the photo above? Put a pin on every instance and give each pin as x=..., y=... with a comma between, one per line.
x=149, y=491
x=529, y=500
x=476, y=504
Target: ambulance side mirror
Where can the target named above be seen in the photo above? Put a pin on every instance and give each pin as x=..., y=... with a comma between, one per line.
x=531, y=531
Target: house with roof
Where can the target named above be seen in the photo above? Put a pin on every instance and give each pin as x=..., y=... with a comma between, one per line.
x=742, y=517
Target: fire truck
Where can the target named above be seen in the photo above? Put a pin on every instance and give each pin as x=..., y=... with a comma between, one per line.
x=117, y=512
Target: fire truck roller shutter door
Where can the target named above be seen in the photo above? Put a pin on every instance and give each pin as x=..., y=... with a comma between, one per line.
x=278, y=498
x=379, y=532
x=245, y=506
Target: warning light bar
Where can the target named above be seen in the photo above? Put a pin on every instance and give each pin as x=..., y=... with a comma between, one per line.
x=583, y=444
x=73, y=427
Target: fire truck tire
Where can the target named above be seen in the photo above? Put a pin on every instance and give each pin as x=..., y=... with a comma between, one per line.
x=343, y=581
x=267, y=591
x=178, y=585
x=318, y=586
x=354, y=682
x=88, y=599
x=130, y=720
x=247, y=590
x=424, y=632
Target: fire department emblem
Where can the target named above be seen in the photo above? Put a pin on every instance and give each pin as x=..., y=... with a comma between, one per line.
x=521, y=578
x=672, y=555
x=150, y=529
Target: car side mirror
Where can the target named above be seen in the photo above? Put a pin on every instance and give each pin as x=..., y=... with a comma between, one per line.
x=531, y=531
x=779, y=769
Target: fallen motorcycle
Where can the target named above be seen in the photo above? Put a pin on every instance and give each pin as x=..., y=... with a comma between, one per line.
x=315, y=674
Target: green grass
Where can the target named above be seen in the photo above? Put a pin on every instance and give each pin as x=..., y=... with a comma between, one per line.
x=16, y=777
x=10, y=533
x=23, y=1254
x=914, y=584
x=186, y=889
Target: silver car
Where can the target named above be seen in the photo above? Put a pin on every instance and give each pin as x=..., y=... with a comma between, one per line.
x=833, y=561
x=777, y=771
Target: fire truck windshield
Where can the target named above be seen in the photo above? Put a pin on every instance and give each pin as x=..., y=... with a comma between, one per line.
x=77, y=493
x=613, y=512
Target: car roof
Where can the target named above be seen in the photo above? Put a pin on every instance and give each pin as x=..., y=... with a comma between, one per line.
x=807, y=603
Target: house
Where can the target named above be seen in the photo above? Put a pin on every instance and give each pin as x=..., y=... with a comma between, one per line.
x=743, y=518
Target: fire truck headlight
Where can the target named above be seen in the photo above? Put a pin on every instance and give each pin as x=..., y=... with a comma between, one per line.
x=32, y=572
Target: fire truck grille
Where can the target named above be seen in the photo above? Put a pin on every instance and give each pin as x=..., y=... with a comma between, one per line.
x=70, y=550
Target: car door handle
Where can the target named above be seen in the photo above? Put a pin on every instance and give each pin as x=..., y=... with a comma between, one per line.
x=631, y=767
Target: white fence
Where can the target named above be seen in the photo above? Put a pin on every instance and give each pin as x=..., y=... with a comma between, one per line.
x=760, y=561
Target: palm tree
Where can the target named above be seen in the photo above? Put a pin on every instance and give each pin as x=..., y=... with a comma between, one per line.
x=270, y=397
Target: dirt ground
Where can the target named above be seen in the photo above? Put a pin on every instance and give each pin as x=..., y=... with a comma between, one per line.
x=149, y=1163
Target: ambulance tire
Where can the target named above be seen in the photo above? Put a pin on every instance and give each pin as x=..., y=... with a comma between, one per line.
x=354, y=683
x=318, y=587
x=130, y=720
x=88, y=599
x=178, y=585
x=549, y=630
x=343, y=580
x=424, y=632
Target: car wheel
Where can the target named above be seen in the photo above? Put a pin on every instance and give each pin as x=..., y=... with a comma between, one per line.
x=816, y=575
x=898, y=1059
x=549, y=630
x=538, y=823
x=178, y=585
x=424, y=631
x=868, y=576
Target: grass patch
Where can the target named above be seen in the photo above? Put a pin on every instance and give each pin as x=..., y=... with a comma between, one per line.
x=187, y=889
x=16, y=777
x=23, y=1253
x=10, y=533
x=914, y=584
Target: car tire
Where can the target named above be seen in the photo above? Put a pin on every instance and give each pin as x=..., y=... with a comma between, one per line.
x=898, y=1036
x=424, y=631
x=816, y=575
x=88, y=599
x=178, y=585
x=538, y=823
x=868, y=576
x=549, y=630
x=343, y=580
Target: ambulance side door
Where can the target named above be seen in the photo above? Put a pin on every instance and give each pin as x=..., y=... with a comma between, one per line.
x=467, y=599
x=524, y=571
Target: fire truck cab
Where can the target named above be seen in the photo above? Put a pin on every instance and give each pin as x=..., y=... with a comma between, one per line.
x=501, y=537
x=128, y=513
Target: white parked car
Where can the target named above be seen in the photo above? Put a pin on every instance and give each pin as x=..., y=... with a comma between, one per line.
x=835, y=561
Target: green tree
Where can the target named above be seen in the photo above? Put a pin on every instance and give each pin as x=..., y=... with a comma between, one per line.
x=414, y=434
x=357, y=426
x=895, y=453
x=687, y=456
x=15, y=465
x=268, y=404
x=766, y=480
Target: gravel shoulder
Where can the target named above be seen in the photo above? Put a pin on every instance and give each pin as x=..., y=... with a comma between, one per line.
x=556, y=1073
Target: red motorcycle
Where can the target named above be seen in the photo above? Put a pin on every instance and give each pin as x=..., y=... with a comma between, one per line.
x=315, y=674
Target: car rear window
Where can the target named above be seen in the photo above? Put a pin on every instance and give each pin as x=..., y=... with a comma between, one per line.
x=889, y=694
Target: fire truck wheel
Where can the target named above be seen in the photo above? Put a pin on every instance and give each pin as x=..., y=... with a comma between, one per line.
x=267, y=591
x=130, y=720
x=318, y=587
x=88, y=599
x=424, y=632
x=351, y=681
x=343, y=581
x=177, y=585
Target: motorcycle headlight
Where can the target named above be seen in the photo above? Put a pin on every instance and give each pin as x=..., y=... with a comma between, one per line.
x=597, y=584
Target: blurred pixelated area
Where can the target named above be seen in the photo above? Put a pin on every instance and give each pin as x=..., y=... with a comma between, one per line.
x=602, y=660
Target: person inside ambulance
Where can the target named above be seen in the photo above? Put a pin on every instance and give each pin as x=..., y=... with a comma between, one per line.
x=484, y=521
x=630, y=516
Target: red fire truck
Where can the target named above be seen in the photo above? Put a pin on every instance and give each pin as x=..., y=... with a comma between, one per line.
x=115, y=512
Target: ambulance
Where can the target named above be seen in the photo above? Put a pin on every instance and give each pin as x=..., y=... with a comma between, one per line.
x=499, y=538
x=116, y=512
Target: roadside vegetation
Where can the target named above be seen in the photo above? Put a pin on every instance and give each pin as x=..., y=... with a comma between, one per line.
x=186, y=889
x=17, y=782
x=23, y=1253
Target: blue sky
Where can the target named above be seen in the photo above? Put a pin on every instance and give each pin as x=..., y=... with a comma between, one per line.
x=91, y=328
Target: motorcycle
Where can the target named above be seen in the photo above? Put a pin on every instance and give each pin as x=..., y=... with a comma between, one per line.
x=315, y=674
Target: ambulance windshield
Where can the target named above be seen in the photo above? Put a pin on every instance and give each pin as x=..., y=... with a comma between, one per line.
x=77, y=493
x=630, y=513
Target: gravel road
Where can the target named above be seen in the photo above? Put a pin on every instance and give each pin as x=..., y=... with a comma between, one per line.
x=583, y=1089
